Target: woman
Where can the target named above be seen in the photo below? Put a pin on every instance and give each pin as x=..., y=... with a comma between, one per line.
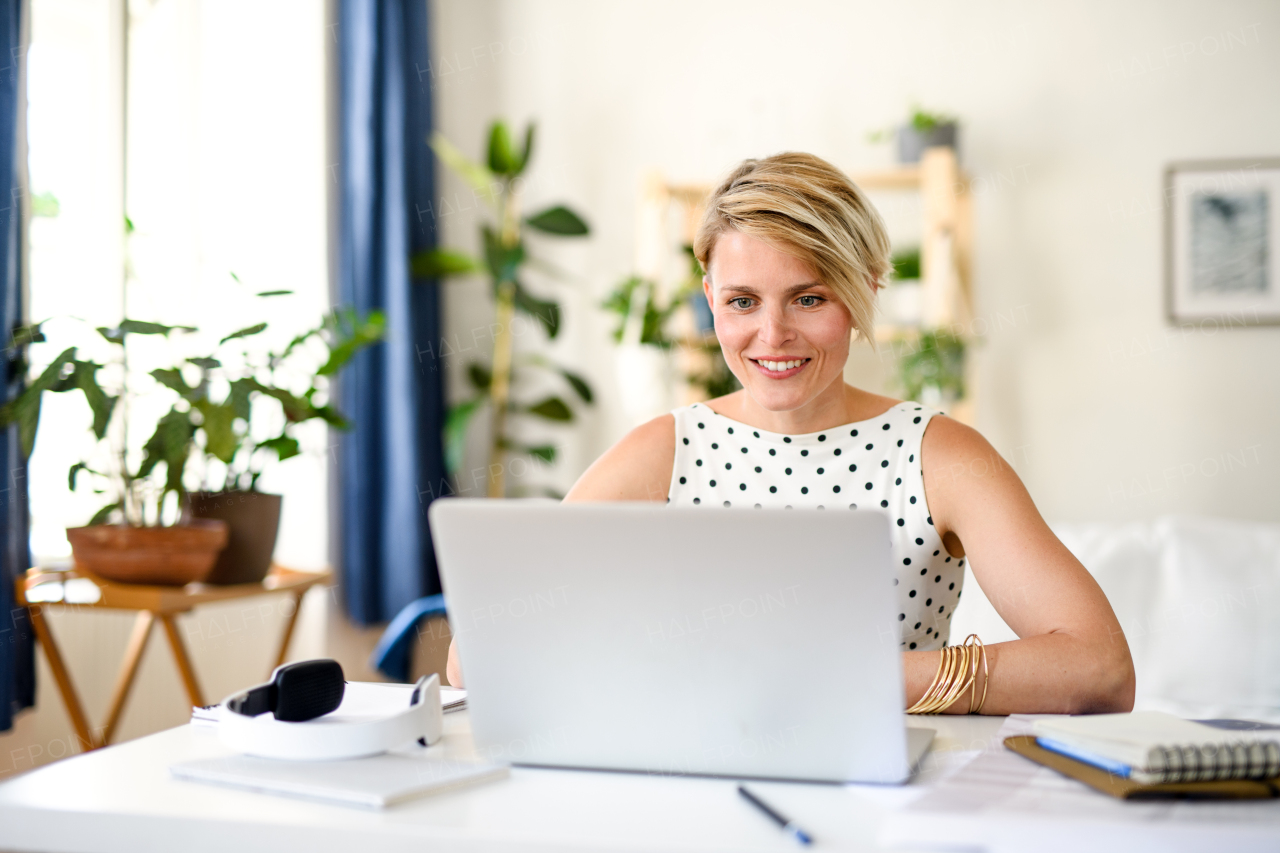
x=793, y=255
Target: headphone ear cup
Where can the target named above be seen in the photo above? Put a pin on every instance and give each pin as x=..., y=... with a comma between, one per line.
x=307, y=689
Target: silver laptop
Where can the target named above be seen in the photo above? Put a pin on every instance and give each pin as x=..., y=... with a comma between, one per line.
x=638, y=637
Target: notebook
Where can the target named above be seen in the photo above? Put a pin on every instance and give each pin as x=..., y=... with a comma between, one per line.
x=1151, y=748
x=373, y=783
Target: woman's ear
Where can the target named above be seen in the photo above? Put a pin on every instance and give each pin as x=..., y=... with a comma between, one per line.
x=706, y=290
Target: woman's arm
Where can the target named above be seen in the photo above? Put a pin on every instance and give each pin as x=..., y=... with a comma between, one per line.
x=1072, y=657
x=637, y=468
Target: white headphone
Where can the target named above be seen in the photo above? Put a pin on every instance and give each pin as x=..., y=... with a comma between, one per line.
x=333, y=736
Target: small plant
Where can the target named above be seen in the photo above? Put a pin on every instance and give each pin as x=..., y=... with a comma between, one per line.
x=933, y=370
x=211, y=418
x=919, y=120
x=504, y=260
x=906, y=264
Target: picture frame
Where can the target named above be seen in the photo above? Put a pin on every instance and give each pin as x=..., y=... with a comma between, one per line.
x=1222, y=242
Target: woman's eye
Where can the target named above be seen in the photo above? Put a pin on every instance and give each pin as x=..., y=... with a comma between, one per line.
x=809, y=301
x=742, y=303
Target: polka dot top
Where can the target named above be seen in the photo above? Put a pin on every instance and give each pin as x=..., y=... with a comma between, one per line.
x=869, y=464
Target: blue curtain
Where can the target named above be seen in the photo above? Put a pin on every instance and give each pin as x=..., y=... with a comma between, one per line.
x=394, y=391
x=17, y=661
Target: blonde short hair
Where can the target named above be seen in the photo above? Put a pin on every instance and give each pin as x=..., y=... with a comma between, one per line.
x=809, y=209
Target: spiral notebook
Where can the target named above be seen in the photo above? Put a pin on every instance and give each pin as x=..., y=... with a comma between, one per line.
x=1153, y=748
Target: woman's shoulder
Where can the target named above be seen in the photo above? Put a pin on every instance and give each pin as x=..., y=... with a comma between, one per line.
x=636, y=468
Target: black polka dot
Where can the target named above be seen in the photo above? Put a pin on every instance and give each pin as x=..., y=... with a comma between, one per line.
x=757, y=469
x=911, y=594
x=884, y=503
x=899, y=442
x=697, y=500
x=853, y=467
x=744, y=450
x=742, y=487
x=886, y=426
x=853, y=434
x=948, y=560
x=952, y=586
x=788, y=471
x=698, y=462
x=936, y=553
x=919, y=541
x=961, y=563
x=772, y=452
x=938, y=579
x=924, y=571
x=773, y=490
x=786, y=439
x=837, y=451
x=728, y=466
x=911, y=458
x=713, y=484
x=884, y=464
x=837, y=489
x=804, y=490
x=715, y=446
x=906, y=561
x=869, y=446
x=868, y=487
x=916, y=420
x=928, y=630
x=820, y=470
x=702, y=426
x=913, y=499
x=804, y=453
x=727, y=504
x=902, y=617
x=913, y=645
x=686, y=441
x=941, y=607
x=682, y=481
x=730, y=430
x=929, y=519
x=917, y=626
x=928, y=602
x=756, y=434
x=900, y=521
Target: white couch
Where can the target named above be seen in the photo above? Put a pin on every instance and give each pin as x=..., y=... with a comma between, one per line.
x=1199, y=602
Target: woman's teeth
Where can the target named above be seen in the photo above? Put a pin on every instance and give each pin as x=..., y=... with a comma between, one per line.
x=781, y=365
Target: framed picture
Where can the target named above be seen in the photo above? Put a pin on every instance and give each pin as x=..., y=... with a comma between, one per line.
x=1222, y=241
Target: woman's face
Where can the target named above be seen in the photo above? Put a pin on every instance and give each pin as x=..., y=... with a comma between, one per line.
x=783, y=333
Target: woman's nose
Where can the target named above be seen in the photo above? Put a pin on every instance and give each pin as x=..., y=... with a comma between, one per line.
x=775, y=329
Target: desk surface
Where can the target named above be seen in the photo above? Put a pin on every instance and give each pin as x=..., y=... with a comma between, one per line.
x=123, y=799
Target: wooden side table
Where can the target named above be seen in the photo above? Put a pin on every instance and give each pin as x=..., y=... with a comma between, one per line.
x=39, y=588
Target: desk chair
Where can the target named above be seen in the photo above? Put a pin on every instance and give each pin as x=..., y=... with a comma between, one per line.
x=416, y=639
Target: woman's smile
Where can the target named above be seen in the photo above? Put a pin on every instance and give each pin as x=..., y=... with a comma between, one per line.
x=780, y=367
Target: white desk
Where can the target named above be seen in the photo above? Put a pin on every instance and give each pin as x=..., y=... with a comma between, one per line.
x=123, y=799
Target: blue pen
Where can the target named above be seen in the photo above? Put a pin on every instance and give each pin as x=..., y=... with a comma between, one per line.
x=788, y=826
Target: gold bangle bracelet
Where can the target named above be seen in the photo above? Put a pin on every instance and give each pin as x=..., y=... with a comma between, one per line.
x=957, y=673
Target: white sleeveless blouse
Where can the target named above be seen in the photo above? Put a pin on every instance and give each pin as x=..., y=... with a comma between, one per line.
x=872, y=464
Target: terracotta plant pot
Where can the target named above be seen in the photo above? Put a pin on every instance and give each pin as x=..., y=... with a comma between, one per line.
x=253, y=520
x=163, y=556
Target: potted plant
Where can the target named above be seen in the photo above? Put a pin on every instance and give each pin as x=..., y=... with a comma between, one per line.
x=920, y=131
x=143, y=535
x=505, y=259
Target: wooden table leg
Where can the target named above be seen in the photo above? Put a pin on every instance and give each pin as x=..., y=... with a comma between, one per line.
x=184, y=663
x=288, y=630
x=60, y=675
x=128, y=671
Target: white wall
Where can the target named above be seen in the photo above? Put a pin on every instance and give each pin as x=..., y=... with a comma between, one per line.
x=1070, y=113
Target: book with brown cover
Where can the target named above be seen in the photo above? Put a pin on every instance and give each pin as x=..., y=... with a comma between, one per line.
x=1127, y=789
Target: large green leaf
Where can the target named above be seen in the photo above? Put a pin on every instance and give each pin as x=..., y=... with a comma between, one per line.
x=503, y=159
x=239, y=398
x=170, y=444
x=171, y=377
x=552, y=408
x=558, y=220
x=25, y=408
x=545, y=310
x=244, y=333
x=284, y=446
x=545, y=452
x=579, y=385
x=442, y=263
x=455, y=432
x=101, y=516
x=481, y=377
x=502, y=260
x=527, y=153
x=474, y=174
x=139, y=327
x=357, y=336
x=205, y=363
x=217, y=421
x=102, y=404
